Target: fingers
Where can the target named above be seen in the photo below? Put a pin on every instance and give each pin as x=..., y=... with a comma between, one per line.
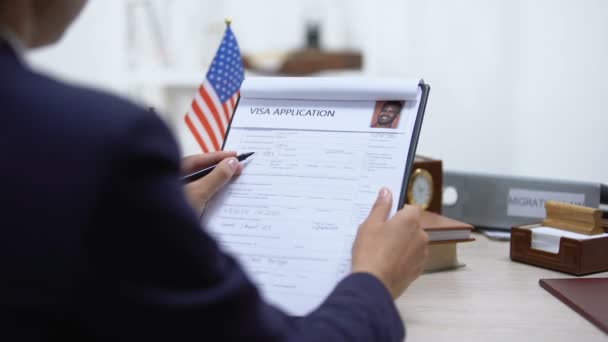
x=410, y=214
x=382, y=207
x=409, y=217
x=200, y=161
x=215, y=180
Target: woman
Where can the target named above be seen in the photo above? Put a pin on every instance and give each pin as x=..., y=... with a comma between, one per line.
x=100, y=241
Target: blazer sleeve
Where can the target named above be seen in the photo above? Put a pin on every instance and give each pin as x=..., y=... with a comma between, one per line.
x=154, y=273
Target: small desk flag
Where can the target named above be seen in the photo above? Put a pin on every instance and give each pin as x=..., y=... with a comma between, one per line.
x=207, y=118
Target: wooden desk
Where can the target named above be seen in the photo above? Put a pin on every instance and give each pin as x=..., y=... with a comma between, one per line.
x=491, y=299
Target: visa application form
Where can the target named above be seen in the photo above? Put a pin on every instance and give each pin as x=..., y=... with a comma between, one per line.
x=291, y=217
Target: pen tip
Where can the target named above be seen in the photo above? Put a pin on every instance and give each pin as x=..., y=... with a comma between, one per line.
x=244, y=156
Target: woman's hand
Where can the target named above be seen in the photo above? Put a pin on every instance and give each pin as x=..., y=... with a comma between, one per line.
x=393, y=249
x=200, y=191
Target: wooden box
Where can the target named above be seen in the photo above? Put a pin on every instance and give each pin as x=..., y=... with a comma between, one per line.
x=577, y=257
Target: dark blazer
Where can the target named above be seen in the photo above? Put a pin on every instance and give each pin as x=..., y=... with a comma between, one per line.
x=98, y=243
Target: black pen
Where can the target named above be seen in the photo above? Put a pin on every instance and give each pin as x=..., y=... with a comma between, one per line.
x=201, y=173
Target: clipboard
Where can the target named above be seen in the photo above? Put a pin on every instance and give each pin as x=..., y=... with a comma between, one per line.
x=323, y=148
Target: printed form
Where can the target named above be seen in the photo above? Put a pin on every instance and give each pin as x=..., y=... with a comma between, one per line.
x=291, y=217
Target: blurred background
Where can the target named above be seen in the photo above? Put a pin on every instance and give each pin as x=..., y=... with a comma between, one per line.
x=518, y=87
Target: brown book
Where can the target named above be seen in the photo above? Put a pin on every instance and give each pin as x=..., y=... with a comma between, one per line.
x=442, y=257
x=443, y=229
x=444, y=233
x=587, y=296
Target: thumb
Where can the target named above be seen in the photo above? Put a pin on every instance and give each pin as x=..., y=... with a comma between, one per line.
x=217, y=178
x=382, y=207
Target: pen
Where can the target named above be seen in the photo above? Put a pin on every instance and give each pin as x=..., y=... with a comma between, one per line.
x=201, y=173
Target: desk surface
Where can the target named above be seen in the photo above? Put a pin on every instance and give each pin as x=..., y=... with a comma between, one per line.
x=491, y=299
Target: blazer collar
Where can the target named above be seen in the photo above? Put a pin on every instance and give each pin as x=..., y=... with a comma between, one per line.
x=10, y=43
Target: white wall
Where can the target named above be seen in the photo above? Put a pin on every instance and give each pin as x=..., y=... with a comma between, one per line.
x=518, y=87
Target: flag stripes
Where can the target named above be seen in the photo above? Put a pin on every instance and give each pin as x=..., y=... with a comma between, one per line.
x=194, y=131
x=203, y=120
x=204, y=106
x=226, y=111
x=213, y=110
x=217, y=104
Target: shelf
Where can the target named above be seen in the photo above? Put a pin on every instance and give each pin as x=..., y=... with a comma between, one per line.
x=165, y=78
x=183, y=78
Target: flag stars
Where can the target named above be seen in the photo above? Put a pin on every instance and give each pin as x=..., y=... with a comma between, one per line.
x=226, y=72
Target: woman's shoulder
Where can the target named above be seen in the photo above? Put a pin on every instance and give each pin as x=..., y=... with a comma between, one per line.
x=72, y=109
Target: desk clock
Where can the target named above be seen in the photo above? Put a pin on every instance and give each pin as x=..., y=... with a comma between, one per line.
x=425, y=186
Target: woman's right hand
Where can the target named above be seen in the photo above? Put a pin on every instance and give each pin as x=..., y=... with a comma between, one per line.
x=200, y=191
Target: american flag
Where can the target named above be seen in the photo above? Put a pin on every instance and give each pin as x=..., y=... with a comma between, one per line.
x=212, y=106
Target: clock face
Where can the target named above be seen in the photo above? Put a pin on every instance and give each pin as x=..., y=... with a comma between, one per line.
x=421, y=188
